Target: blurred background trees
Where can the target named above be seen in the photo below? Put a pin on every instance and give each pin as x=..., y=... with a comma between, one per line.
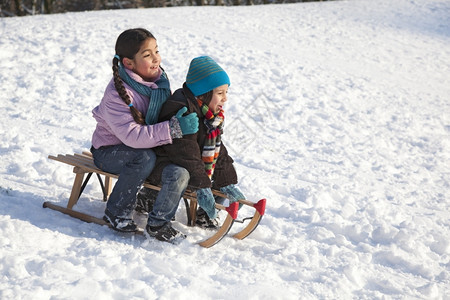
x=11, y=8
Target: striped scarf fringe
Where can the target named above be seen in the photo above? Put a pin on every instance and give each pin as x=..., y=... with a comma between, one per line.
x=213, y=141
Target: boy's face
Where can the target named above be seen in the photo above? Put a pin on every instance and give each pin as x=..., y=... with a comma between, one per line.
x=146, y=61
x=218, y=99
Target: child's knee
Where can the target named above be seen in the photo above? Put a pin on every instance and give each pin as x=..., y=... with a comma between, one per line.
x=178, y=174
x=183, y=175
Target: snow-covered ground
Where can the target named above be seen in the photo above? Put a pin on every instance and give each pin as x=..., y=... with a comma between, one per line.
x=338, y=114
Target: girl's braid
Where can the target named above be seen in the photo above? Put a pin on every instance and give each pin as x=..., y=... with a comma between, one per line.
x=118, y=83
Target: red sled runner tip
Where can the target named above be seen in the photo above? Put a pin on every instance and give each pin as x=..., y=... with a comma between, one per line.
x=233, y=210
x=260, y=206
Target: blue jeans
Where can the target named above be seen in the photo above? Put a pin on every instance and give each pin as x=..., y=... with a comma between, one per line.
x=174, y=181
x=133, y=166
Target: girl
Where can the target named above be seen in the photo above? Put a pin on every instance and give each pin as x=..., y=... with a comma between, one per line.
x=127, y=129
x=203, y=154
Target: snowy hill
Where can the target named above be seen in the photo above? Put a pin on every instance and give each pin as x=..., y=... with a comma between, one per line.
x=338, y=114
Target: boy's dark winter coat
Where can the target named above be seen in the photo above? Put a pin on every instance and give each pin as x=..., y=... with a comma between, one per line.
x=187, y=151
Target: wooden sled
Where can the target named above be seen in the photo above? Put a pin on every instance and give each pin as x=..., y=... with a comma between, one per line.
x=84, y=166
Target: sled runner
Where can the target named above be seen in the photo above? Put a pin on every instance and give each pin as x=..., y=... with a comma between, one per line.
x=84, y=165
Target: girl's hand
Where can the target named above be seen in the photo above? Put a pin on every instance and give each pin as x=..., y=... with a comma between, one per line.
x=189, y=123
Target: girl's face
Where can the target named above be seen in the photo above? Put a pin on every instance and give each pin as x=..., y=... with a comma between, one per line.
x=219, y=98
x=146, y=61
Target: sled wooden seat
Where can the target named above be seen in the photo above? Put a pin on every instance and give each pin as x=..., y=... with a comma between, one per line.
x=83, y=165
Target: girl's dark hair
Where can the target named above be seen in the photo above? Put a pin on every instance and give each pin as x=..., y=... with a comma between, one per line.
x=127, y=45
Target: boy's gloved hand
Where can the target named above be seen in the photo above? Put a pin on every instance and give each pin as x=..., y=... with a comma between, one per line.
x=206, y=201
x=189, y=123
x=233, y=193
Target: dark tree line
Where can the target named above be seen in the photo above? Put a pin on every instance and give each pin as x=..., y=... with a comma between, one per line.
x=11, y=8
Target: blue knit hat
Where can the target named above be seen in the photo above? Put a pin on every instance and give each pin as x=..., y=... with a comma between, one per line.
x=205, y=75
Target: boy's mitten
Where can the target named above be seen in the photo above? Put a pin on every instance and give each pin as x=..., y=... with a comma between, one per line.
x=233, y=193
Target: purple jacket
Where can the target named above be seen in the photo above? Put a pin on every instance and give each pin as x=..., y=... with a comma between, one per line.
x=115, y=124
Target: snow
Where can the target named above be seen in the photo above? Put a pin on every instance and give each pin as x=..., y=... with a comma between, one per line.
x=338, y=114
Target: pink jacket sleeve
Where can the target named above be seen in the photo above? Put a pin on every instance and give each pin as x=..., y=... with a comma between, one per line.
x=116, y=125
